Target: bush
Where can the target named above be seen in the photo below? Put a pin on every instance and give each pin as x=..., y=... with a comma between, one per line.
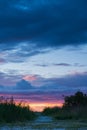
x=10, y=112
x=74, y=107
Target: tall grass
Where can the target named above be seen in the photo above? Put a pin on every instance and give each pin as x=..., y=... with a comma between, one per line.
x=10, y=112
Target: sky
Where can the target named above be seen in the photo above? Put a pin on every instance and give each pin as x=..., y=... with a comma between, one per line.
x=43, y=50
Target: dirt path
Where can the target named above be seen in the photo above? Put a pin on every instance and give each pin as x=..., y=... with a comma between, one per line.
x=43, y=119
x=46, y=123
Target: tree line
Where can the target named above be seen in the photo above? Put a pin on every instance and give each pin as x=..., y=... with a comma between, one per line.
x=74, y=107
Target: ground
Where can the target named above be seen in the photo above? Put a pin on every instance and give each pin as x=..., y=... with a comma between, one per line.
x=46, y=123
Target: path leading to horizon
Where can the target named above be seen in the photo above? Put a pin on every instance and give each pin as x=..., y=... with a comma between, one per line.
x=43, y=119
x=46, y=123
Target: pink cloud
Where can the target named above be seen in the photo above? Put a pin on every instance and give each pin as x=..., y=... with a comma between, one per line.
x=30, y=77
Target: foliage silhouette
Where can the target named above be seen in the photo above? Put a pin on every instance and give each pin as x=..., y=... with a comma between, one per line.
x=74, y=107
x=77, y=100
x=10, y=112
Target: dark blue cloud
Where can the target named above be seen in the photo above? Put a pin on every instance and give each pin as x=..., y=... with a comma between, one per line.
x=65, y=84
x=23, y=85
x=77, y=81
x=53, y=90
x=51, y=23
x=63, y=64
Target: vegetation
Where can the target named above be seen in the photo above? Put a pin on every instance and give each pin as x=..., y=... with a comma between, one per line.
x=77, y=100
x=10, y=112
x=74, y=107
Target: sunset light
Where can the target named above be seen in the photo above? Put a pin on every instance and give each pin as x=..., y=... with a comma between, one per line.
x=43, y=62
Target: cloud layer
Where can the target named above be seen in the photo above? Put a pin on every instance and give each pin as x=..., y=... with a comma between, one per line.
x=36, y=89
x=34, y=83
x=43, y=23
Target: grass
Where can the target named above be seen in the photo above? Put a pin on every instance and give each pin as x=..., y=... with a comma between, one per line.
x=10, y=112
x=68, y=124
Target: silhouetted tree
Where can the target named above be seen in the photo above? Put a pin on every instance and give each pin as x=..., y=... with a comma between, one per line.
x=79, y=99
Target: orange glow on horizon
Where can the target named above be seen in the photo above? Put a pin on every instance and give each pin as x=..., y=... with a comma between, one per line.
x=37, y=106
x=40, y=106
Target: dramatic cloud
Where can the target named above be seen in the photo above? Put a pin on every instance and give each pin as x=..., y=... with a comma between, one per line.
x=52, y=90
x=42, y=23
x=55, y=28
x=23, y=85
x=75, y=81
x=68, y=83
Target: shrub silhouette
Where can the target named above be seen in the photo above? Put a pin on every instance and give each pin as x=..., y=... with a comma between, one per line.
x=74, y=107
x=10, y=112
x=77, y=100
x=50, y=111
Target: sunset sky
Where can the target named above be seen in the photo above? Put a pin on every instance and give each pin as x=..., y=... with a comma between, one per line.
x=43, y=50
